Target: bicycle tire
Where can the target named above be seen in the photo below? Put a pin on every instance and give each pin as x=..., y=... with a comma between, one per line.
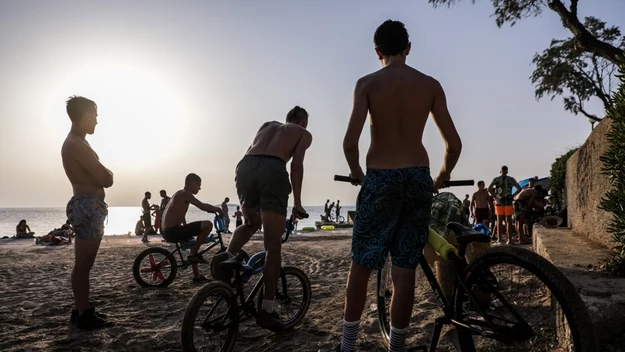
x=136, y=267
x=383, y=312
x=191, y=311
x=307, y=293
x=341, y=219
x=561, y=288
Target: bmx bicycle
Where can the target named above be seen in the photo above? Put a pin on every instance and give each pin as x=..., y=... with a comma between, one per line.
x=158, y=266
x=487, y=309
x=220, y=320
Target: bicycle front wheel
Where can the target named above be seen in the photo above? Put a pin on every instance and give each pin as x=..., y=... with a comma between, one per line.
x=521, y=302
x=211, y=319
x=292, y=298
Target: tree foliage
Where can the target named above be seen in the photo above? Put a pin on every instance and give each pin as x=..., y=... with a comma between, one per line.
x=564, y=69
x=511, y=11
x=613, y=160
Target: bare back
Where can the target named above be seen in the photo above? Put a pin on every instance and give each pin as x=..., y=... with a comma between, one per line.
x=83, y=168
x=176, y=209
x=481, y=199
x=399, y=100
x=277, y=139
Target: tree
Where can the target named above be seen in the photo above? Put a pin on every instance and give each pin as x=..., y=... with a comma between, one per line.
x=511, y=11
x=563, y=67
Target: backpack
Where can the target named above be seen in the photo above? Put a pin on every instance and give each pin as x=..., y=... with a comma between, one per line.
x=446, y=208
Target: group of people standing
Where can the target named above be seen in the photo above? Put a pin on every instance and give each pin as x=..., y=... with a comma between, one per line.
x=327, y=211
x=495, y=206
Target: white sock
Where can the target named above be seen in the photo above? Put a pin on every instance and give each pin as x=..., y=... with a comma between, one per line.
x=350, y=333
x=268, y=305
x=398, y=339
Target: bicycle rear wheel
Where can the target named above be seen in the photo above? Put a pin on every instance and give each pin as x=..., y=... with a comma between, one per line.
x=293, y=295
x=215, y=326
x=541, y=312
x=384, y=294
x=155, y=267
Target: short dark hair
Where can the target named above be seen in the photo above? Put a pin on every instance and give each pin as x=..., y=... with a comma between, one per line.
x=504, y=167
x=77, y=106
x=538, y=188
x=480, y=183
x=391, y=38
x=148, y=193
x=297, y=114
x=162, y=191
x=192, y=178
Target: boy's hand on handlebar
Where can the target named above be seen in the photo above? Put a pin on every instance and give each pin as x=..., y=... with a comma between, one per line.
x=441, y=181
x=298, y=210
x=358, y=175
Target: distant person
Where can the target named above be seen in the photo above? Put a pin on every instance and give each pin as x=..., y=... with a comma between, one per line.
x=22, y=230
x=398, y=185
x=165, y=199
x=527, y=202
x=479, y=205
x=326, y=211
x=338, y=209
x=224, y=208
x=263, y=187
x=147, y=216
x=531, y=183
x=157, y=218
x=467, y=206
x=501, y=189
x=176, y=229
x=139, y=227
x=238, y=215
x=86, y=210
x=330, y=207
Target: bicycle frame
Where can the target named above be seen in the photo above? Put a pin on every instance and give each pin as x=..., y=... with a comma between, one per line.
x=183, y=263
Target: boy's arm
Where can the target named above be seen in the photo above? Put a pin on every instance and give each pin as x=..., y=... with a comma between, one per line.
x=354, y=130
x=297, y=167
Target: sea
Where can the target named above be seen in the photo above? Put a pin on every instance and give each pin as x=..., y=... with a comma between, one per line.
x=121, y=220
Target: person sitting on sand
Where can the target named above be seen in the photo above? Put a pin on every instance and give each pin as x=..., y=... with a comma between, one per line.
x=262, y=183
x=139, y=227
x=22, y=230
x=238, y=215
x=399, y=100
x=175, y=227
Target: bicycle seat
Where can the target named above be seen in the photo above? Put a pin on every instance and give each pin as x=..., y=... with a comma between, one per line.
x=466, y=235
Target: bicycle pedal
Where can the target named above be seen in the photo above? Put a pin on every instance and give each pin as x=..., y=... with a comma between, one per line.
x=420, y=348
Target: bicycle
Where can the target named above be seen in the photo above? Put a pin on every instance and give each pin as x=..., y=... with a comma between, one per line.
x=156, y=268
x=333, y=218
x=478, y=298
x=235, y=312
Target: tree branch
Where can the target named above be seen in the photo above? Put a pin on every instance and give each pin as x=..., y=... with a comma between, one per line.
x=574, y=7
x=592, y=117
x=585, y=39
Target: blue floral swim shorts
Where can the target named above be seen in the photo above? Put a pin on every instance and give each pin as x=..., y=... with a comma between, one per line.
x=392, y=215
x=87, y=213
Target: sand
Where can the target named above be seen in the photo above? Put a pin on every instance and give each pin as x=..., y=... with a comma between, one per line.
x=36, y=300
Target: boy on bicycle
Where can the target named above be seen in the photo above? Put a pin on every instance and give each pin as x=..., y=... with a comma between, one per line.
x=398, y=184
x=175, y=227
x=263, y=187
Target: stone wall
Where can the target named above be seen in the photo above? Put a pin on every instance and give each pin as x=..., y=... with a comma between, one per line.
x=586, y=185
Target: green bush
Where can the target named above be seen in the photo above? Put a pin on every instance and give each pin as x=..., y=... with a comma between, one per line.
x=557, y=179
x=613, y=166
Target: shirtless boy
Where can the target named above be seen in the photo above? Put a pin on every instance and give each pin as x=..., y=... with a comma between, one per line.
x=263, y=188
x=399, y=100
x=479, y=204
x=147, y=216
x=86, y=210
x=175, y=227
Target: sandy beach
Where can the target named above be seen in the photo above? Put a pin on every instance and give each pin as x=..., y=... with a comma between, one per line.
x=36, y=300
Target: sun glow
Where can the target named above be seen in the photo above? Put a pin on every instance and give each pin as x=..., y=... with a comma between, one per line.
x=138, y=110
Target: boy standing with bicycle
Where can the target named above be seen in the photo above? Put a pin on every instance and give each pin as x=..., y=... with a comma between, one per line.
x=398, y=184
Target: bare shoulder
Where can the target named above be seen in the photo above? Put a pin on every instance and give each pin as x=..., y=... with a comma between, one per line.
x=72, y=145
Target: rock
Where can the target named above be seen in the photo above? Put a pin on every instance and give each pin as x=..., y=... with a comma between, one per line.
x=618, y=298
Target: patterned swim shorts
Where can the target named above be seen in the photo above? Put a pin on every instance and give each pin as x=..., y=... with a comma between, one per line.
x=392, y=215
x=87, y=213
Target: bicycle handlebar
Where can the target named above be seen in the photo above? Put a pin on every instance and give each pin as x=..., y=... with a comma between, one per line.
x=457, y=183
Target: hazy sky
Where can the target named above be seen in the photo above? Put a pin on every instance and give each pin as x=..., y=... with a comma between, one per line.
x=183, y=87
